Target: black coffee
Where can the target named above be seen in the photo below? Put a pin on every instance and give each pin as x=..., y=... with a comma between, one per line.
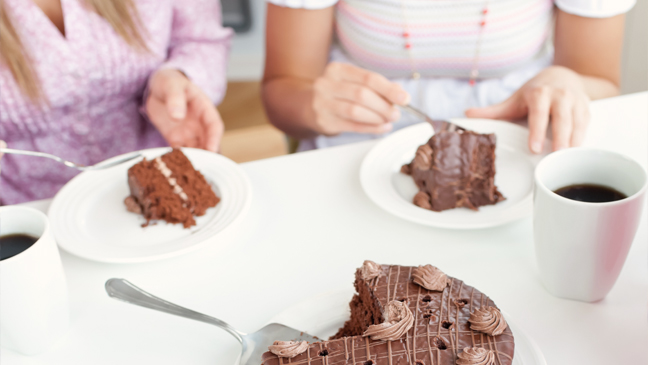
x=13, y=244
x=590, y=193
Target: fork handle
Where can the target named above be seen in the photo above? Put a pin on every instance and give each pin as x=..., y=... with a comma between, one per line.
x=123, y=290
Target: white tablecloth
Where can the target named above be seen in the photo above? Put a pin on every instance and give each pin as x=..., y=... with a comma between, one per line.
x=309, y=227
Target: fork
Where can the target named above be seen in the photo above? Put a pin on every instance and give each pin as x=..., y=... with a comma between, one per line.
x=253, y=344
x=437, y=125
x=99, y=166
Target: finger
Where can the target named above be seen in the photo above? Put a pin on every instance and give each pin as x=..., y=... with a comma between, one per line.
x=581, y=120
x=333, y=125
x=210, y=125
x=360, y=95
x=561, y=120
x=175, y=97
x=167, y=127
x=539, y=103
x=391, y=91
x=354, y=112
x=511, y=108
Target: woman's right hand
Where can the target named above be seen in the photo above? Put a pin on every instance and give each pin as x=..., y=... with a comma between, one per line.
x=351, y=99
x=3, y=144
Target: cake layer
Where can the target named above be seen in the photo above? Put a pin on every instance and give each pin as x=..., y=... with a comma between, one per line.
x=169, y=188
x=440, y=332
x=455, y=169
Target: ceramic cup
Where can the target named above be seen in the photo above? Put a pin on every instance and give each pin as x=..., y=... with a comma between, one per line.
x=581, y=247
x=34, y=310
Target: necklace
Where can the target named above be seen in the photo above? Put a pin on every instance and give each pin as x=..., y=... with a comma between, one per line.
x=407, y=43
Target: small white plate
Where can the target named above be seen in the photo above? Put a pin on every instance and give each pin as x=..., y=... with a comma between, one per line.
x=393, y=191
x=324, y=314
x=89, y=218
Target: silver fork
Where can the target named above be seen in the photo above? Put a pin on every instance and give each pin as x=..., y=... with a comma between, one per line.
x=437, y=125
x=99, y=166
x=253, y=344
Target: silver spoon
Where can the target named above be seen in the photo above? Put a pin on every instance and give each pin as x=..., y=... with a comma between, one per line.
x=253, y=344
x=99, y=166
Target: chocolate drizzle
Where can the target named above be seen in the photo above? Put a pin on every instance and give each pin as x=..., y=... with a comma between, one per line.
x=427, y=341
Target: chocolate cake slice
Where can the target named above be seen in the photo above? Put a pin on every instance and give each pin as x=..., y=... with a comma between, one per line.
x=455, y=169
x=447, y=324
x=169, y=188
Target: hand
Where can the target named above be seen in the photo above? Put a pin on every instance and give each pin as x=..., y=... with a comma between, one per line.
x=3, y=144
x=350, y=99
x=182, y=113
x=557, y=94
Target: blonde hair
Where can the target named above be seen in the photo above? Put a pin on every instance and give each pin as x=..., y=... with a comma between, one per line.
x=121, y=14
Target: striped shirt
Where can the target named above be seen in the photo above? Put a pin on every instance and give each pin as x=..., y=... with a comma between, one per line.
x=439, y=39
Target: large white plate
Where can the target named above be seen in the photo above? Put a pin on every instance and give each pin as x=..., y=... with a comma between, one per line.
x=393, y=191
x=324, y=314
x=89, y=219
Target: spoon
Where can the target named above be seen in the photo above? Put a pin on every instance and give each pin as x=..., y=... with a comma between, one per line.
x=99, y=166
x=253, y=344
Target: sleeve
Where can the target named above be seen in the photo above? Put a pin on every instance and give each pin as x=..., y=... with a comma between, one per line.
x=304, y=4
x=595, y=8
x=199, y=45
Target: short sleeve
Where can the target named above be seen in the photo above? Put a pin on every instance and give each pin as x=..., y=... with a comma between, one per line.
x=304, y=4
x=595, y=8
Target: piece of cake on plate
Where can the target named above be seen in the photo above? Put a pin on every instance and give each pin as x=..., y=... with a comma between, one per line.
x=408, y=315
x=455, y=169
x=169, y=188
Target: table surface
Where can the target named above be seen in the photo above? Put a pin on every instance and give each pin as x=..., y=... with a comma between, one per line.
x=310, y=225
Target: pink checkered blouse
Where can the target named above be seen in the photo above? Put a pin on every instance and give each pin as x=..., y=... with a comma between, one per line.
x=94, y=82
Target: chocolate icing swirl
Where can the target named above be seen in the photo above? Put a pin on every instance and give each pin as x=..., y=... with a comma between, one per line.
x=423, y=158
x=430, y=277
x=370, y=270
x=488, y=320
x=288, y=349
x=398, y=320
x=476, y=356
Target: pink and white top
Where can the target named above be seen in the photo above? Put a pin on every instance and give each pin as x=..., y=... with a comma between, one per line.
x=94, y=82
x=439, y=38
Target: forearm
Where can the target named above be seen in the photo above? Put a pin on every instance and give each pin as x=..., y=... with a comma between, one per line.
x=288, y=103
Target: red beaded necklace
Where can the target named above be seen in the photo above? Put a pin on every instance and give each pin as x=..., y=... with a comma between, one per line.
x=474, y=72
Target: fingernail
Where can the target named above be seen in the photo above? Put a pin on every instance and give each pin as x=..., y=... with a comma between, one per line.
x=406, y=98
x=177, y=113
x=536, y=147
x=395, y=115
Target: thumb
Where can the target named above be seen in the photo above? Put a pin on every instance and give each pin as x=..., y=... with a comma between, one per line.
x=510, y=108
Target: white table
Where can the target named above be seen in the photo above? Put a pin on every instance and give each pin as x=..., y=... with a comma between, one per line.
x=309, y=227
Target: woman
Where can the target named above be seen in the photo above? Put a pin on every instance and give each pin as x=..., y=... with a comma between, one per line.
x=336, y=70
x=89, y=79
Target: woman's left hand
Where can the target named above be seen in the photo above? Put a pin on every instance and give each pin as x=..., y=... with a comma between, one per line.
x=556, y=94
x=182, y=112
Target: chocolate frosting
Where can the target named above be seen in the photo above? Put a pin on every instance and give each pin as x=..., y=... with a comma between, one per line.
x=476, y=356
x=455, y=169
x=488, y=320
x=398, y=320
x=370, y=270
x=288, y=349
x=430, y=278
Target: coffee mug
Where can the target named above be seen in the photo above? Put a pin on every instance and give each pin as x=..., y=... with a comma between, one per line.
x=581, y=246
x=34, y=310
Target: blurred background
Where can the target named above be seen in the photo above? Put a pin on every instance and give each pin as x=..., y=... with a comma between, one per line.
x=248, y=134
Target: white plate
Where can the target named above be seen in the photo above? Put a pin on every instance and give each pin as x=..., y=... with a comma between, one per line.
x=393, y=191
x=324, y=314
x=89, y=218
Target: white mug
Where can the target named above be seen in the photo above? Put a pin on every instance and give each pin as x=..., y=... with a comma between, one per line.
x=34, y=311
x=581, y=246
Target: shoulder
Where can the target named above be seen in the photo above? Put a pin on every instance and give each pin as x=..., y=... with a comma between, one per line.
x=304, y=4
x=595, y=8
